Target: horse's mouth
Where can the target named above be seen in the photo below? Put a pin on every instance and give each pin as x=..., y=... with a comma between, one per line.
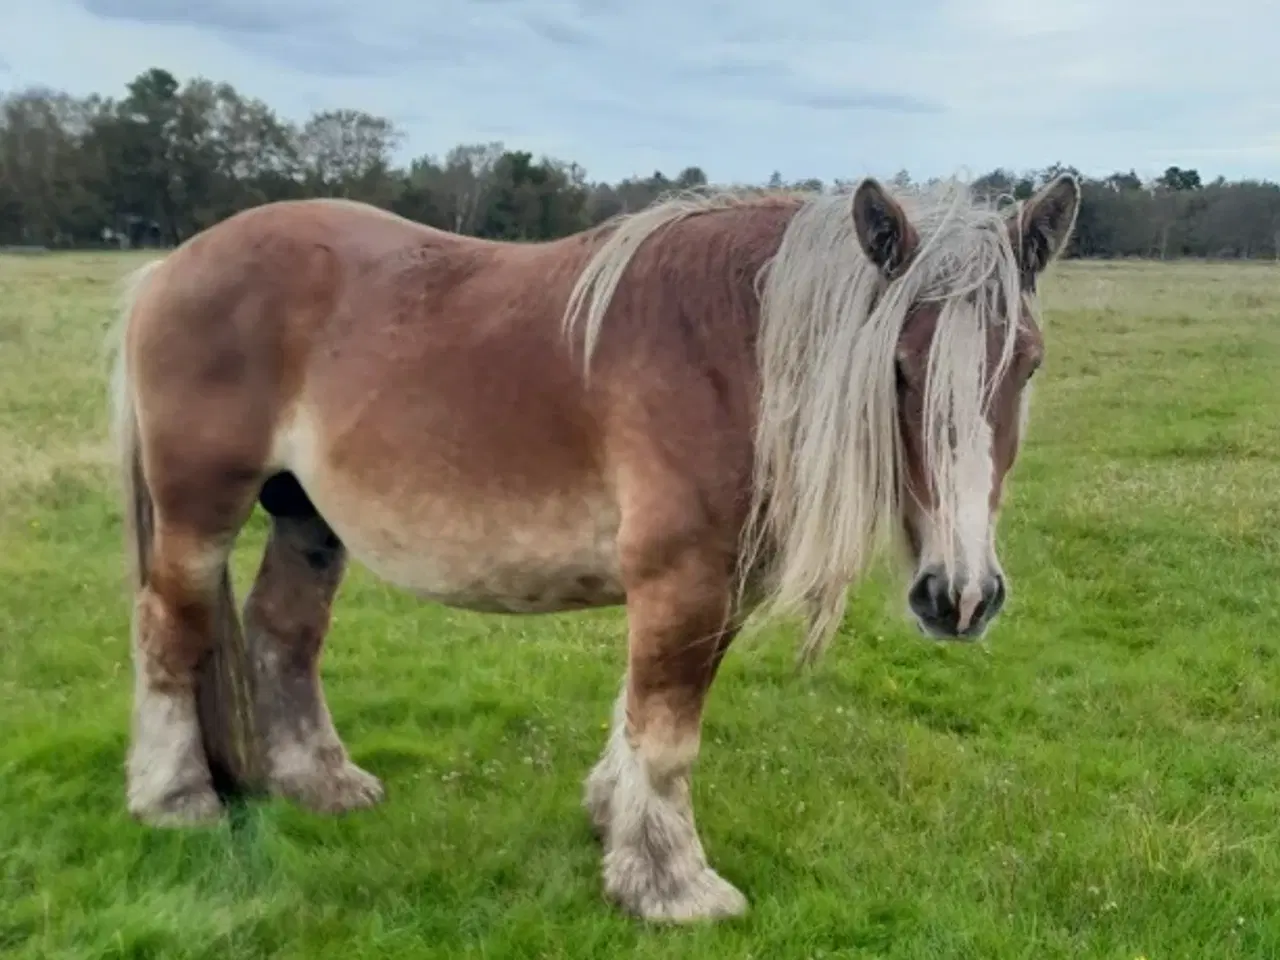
x=970, y=634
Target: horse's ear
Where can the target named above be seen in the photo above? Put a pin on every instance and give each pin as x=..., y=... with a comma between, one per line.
x=1041, y=227
x=884, y=232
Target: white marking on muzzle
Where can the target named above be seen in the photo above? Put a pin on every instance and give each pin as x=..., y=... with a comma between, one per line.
x=969, y=599
x=964, y=550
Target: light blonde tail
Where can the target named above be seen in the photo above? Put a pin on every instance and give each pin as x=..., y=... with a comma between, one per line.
x=138, y=509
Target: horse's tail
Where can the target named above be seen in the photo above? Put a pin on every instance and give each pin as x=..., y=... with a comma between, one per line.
x=139, y=512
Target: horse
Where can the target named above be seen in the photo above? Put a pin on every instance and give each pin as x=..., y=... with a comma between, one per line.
x=718, y=409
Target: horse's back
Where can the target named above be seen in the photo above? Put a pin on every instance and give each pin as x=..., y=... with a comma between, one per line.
x=340, y=306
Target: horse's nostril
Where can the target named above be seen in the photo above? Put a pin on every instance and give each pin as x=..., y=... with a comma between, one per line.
x=995, y=600
x=921, y=596
x=932, y=602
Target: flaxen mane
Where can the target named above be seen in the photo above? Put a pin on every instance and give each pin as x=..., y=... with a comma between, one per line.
x=827, y=491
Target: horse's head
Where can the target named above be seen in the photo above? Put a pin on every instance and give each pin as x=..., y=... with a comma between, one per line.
x=963, y=365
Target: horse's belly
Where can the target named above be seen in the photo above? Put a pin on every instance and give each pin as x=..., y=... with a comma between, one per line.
x=493, y=577
x=463, y=540
x=542, y=557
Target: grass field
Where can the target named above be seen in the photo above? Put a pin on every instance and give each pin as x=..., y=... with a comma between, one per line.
x=1102, y=779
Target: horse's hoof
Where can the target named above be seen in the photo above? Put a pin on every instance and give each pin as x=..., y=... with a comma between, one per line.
x=324, y=791
x=653, y=893
x=186, y=808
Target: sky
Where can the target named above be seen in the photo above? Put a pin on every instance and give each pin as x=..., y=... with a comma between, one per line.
x=811, y=88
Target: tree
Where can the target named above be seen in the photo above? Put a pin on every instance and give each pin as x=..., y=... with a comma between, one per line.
x=691, y=178
x=1120, y=182
x=1178, y=180
x=531, y=201
x=466, y=181
x=168, y=159
x=148, y=159
x=347, y=153
x=44, y=191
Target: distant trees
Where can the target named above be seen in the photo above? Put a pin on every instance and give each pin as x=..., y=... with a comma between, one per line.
x=166, y=160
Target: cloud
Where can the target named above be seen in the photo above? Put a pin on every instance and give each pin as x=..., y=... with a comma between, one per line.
x=558, y=31
x=892, y=102
x=736, y=68
x=234, y=16
x=739, y=87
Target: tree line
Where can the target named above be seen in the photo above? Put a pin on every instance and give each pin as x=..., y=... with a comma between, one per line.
x=166, y=160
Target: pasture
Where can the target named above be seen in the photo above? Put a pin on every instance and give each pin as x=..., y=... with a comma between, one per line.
x=1101, y=778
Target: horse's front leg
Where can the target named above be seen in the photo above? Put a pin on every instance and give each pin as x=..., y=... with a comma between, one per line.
x=638, y=794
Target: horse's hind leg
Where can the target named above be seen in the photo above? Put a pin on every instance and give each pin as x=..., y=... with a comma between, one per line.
x=286, y=617
x=177, y=618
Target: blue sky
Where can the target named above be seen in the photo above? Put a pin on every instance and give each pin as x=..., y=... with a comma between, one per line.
x=825, y=88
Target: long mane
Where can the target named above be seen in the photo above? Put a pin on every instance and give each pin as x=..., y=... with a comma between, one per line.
x=827, y=487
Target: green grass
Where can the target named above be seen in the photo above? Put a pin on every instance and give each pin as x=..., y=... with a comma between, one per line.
x=1101, y=780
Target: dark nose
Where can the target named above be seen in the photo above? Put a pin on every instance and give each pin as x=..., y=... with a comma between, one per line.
x=939, y=606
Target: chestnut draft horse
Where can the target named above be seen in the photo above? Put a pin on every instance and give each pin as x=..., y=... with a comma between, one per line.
x=718, y=408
